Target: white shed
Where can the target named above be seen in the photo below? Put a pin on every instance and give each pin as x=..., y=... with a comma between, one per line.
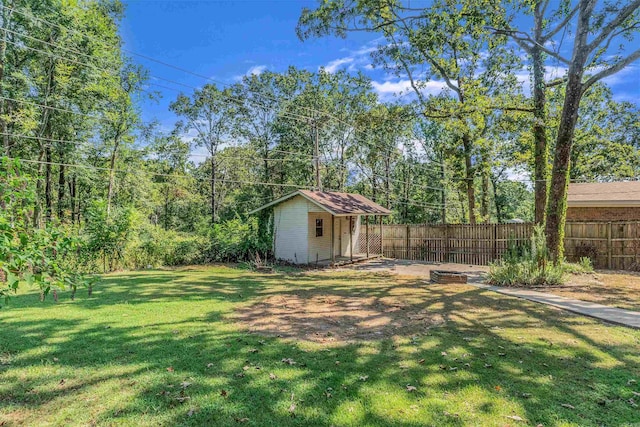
x=319, y=226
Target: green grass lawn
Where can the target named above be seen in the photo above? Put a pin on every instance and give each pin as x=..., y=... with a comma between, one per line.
x=169, y=348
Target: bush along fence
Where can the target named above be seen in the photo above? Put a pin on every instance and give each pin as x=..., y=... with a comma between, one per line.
x=610, y=245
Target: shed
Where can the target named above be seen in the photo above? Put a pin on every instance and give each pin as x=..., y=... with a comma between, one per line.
x=604, y=201
x=311, y=227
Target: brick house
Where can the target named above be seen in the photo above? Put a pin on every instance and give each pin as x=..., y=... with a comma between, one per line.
x=604, y=201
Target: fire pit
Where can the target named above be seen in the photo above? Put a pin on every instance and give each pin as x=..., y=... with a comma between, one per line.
x=445, y=277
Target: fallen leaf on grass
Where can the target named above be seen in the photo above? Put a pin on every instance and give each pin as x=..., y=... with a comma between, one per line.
x=364, y=377
x=272, y=376
x=498, y=388
x=170, y=369
x=191, y=412
x=209, y=365
x=241, y=420
x=515, y=417
x=566, y=405
x=292, y=407
x=411, y=388
x=444, y=353
x=246, y=368
x=421, y=361
x=223, y=393
x=185, y=384
x=288, y=361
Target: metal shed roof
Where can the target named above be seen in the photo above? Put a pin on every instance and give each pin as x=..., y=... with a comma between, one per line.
x=338, y=204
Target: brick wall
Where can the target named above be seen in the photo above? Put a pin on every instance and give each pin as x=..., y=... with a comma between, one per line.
x=603, y=214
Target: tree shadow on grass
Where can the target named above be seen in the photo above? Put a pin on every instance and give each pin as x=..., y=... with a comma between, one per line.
x=492, y=356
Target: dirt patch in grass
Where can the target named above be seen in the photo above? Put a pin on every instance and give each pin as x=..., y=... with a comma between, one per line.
x=615, y=288
x=326, y=317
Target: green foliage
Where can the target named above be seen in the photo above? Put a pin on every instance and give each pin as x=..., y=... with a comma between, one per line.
x=36, y=256
x=154, y=247
x=530, y=267
x=584, y=266
x=108, y=234
x=235, y=240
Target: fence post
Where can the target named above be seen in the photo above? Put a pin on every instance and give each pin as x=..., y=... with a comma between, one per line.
x=495, y=242
x=447, y=243
x=609, y=249
x=407, y=243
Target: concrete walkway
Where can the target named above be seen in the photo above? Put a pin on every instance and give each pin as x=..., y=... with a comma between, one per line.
x=475, y=276
x=603, y=312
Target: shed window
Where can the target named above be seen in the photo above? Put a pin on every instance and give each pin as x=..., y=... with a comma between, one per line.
x=318, y=228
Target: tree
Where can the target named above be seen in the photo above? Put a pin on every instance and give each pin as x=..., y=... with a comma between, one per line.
x=208, y=113
x=447, y=43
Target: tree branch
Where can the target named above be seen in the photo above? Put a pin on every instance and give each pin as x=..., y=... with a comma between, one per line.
x=560, y=25
x=524, y=37
x=611, y=70
x=613, y=24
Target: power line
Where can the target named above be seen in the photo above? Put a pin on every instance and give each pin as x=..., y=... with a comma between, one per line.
x=285, y=114
x=222, y=180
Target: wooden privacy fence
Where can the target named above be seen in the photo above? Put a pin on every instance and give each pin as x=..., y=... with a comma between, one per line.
x=614, y=245
x=610, y=245
x=460, y=243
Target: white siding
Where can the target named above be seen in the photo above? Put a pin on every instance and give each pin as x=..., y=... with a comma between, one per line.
x=291, y=231
x=294, y=236
x=319, y=247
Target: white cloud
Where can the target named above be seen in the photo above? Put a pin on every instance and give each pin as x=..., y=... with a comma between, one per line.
x=334, y=65
x=256, y=70
x=388, y=89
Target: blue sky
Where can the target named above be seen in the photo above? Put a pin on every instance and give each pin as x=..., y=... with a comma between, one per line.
x=226, y=39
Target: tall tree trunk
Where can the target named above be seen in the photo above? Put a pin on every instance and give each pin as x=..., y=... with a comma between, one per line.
x=112, y=172
x=443, y=198
x=557, y=203
x=72, y=198
x=494, y=184
x=37, y=209
x=484, y=203
x=213, y=188
x=469, y=178
x=47, y=184
x=463, y=212
x=61, y=186
x=541, y=150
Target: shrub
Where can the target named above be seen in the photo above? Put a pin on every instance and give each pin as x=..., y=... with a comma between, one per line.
x=586, y=250
x=530, y=268
x=235, y=240
x=584, y=266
